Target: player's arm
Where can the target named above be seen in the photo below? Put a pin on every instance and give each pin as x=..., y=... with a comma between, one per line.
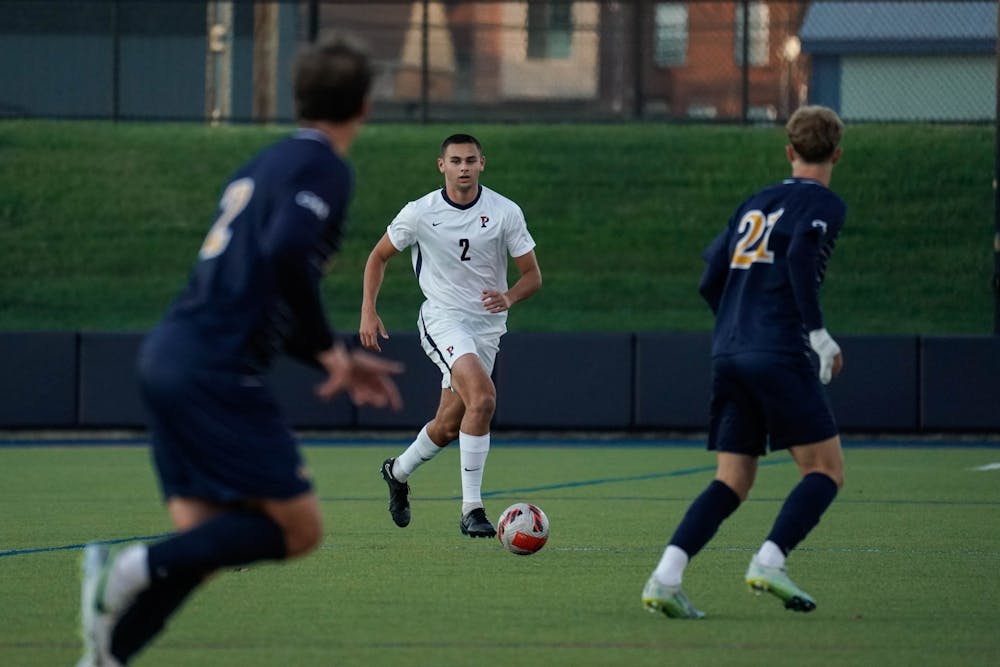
x=713, y=278
x=371, y=326
x=804, y=270
x=292, y=247
x=529, y=282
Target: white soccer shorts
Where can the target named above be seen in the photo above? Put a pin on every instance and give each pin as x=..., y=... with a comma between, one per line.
x=446, y=335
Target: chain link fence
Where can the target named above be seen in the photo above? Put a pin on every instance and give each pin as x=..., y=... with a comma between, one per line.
x=559, y=61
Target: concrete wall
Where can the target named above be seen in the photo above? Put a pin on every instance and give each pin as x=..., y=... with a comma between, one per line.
x=559, y=381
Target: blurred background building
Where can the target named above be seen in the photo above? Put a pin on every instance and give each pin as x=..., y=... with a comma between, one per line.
x=548, y=60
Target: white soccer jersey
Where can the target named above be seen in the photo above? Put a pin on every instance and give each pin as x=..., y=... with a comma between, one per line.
x=459, y=251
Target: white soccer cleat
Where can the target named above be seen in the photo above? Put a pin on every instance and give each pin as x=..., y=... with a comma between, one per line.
x=774, y=580
x=97, y=622
x=668, y=600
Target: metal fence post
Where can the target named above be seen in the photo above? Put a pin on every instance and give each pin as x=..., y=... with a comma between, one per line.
x=116, y=63
x=638, y=97
x=745, y=69
x=996, y=196
x=425, y=67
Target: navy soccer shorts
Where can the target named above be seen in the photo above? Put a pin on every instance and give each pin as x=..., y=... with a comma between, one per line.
x=217, y=434
x=764, y=401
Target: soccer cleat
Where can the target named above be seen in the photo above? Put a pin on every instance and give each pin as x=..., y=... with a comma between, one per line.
x=668, y=600
x=97, y=621
x=475, y=524
x=399, y=495
x=774, y=580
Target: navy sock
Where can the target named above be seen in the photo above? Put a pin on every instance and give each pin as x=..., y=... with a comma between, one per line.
x=704, y=517
x=228, y=540
x=148, y=615
x=179, y=564
x=802, y=510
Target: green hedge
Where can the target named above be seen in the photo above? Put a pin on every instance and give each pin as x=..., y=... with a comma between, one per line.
x=100, y=222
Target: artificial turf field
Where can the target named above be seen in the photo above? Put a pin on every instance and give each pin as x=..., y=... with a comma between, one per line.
x=904, y=566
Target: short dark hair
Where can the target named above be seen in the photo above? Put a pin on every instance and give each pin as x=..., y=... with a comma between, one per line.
x=331, y=79
x=814, y=132
x=461, y=139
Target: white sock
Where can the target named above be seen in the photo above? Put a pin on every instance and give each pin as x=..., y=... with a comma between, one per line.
x=129, y=575
x=474, y=449
x=770, y=555
x=670, y=569
x=420, y=451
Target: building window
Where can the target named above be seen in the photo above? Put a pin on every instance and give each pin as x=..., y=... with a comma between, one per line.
x=670, y=39
x=759, y=27
x=550, y=29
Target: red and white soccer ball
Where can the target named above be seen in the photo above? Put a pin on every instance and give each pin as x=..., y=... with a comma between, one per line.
x=523, y=528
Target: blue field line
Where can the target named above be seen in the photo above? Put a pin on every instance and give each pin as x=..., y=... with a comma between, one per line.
x=548, y=487
x=546, y=439
x=614, y=480
x=70, y=547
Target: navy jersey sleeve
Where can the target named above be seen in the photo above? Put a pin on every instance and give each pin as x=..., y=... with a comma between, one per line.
x=808, y=251
x=303, y=231
x=713, y=279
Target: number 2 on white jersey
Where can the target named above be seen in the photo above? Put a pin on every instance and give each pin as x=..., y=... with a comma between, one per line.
x=234, y=200
x=755, y=231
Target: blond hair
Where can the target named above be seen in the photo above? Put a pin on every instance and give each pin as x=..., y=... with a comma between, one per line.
x=814, y=133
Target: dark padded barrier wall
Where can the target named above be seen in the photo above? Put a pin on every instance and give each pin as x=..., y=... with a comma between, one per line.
x=961, y=383
x=564, y=381
x=673, y=380
x=109, y=387
x=544, y=380
x=294, y=384
x=38, y=378
x=877, y=389
x=419, y=385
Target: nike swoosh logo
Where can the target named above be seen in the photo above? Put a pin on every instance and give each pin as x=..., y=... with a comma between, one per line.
x=470, y=469
x=435, y=224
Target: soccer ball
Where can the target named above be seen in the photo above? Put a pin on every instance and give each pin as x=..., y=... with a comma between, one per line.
x=523, y=529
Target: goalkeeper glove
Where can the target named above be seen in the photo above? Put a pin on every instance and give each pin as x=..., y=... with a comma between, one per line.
x=826, y=349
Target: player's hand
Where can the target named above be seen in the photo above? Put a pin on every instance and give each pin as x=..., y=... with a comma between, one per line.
x=831, y=361
x=494, y=301
x=370, y=329
x=367, y=378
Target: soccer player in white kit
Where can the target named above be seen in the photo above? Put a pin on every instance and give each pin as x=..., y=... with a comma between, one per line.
x=460, y=237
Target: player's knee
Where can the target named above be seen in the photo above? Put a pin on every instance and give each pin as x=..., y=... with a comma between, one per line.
x=304, y=536
x=484, y=405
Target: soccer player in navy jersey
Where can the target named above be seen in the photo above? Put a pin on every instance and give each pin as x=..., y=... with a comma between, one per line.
x=762, y=281
x=229, y=467
x=460, y=238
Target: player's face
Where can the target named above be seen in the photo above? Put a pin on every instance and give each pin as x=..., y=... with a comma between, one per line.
x=461, y=166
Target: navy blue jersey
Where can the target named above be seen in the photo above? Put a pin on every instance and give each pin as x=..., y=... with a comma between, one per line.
x=764, y=270
x=255, y=288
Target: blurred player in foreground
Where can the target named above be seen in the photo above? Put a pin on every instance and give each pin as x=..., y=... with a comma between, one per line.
x=762, y=282
x=461, y=236
x=229, y=467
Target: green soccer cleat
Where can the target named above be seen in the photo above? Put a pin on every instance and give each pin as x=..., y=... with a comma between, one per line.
x=97, y=622
x=668, y=600
x=774, y=580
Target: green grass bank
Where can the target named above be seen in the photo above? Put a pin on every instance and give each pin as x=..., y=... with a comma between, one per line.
x=101, y=222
